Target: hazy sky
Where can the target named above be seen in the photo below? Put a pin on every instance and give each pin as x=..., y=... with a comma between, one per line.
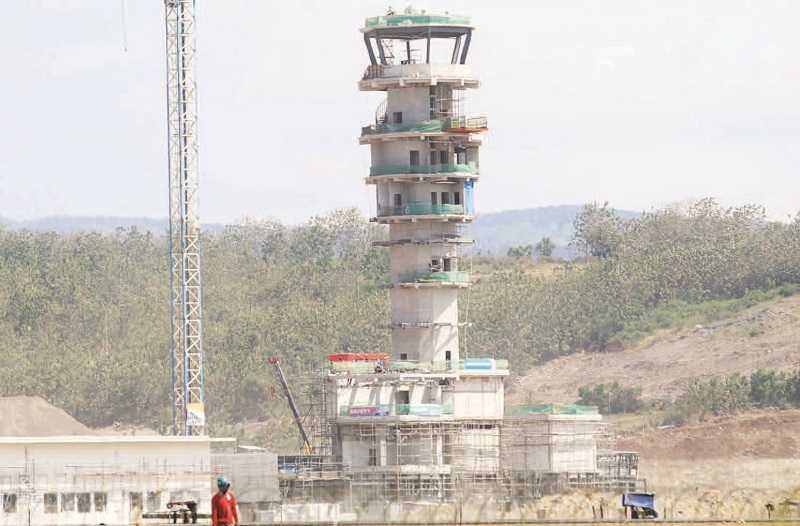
x=638, y=102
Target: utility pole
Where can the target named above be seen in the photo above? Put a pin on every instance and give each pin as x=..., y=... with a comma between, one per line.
x=184, y=224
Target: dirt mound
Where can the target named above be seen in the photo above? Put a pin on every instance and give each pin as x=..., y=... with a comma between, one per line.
x=764, y=336
x=32, y=416
x=763, y=435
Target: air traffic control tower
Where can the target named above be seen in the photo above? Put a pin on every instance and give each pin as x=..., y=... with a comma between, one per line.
x=423, y=420
x=424, y=167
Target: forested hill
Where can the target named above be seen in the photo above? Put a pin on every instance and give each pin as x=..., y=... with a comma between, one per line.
x=84, y=317
x=494, y=233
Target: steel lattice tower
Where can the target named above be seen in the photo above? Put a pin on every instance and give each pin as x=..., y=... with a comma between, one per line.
x=184, y=238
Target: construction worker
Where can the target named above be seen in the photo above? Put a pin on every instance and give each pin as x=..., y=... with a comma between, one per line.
x=224, y=511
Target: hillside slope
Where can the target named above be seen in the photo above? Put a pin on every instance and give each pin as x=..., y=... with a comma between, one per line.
x=764, y=336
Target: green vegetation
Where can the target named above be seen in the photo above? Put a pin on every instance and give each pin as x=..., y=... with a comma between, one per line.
x=762, y=389
x=679, y=314
x=84, y=318
x=611, y=398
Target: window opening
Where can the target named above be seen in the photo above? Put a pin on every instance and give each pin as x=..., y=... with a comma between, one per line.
x=447, y=356
x=10, y=503
x=433, y=198
x=436, y=265
x=67, y=502
x=398, y=200
x=397, y=117
x=445, y=198
x=100, y=501
x=434, y=157
x=443, y=157
x=372, y=459
x=84, y=502
x=414, y=157
x=448, y=264
x=51, y=503
x=136, y=501
x=403, y=356
x=403, y=397
x=456, y=198
x=153, y=500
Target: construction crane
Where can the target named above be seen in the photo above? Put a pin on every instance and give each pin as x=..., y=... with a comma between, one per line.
x=184, y=225
x=292, y=405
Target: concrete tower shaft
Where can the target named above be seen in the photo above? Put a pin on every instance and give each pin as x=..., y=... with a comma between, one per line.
x=425, y=162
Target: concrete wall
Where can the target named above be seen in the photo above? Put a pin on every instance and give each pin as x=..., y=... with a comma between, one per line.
x=438, y=305
x=95, y=469
x=479, y=397
x=413, y=102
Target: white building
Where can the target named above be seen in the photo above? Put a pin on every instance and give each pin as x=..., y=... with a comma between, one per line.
x=77, y=480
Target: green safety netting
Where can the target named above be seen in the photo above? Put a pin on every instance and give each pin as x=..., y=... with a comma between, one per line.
x=551, y=409
x=399, y=20
x=422, y=127
x=422, y=277
x=389, y=169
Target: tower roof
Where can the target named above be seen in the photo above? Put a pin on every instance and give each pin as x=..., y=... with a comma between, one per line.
x=409, y=23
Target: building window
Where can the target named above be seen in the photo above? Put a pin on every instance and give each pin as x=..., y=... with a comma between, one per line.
x=456, y=198
x=397, y=117
x=436, y=265
x=84, y=502
x=398, y=200
x=447, y=356
x=136, y=501
x=434, y=157
x=443, y=157
x=153, y=500
x=51, y=503
x=9, y=503
x=413, y=157
x=448, y=264
x=100, y=501
x=433, y=198
x=403, y=397
x=403, y=356
x=445, y=198
x=372, y=459
x=67, y=502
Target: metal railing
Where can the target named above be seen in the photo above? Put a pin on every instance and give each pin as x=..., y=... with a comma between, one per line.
x=458, y=123
x=420, y=208
x=466, y=123
x=392, y=169
x=415, y=19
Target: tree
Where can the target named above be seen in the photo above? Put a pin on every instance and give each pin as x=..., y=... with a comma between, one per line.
x=545, y=247
x=520, y=251
x=597, y=230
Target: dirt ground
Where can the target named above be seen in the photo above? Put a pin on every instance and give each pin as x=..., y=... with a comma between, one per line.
x=766, y=335
x=724, y=467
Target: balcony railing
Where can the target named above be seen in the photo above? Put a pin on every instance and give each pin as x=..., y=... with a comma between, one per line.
x=453, y=276
x=417, y=71
x=468, y=364
x=416, y=19
x=420, y=208
x=453, y=124
x=392, y=169
x=466, y=124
